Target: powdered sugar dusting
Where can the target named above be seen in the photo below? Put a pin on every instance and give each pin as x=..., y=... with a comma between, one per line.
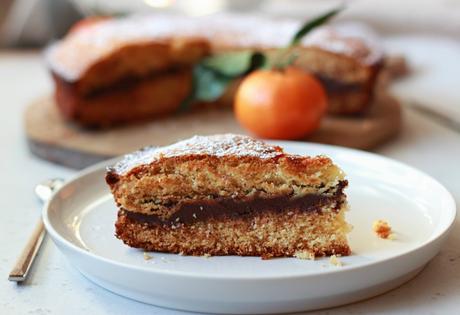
x=73, y=55
x=351, y=39
x=217, y=145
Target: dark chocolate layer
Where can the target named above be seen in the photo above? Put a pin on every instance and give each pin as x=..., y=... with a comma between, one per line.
x=200, y=210
x=335, y=86
x=128, y=82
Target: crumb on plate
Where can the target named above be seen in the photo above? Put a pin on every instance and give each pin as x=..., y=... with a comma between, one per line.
x=334, y=260
x=147, y=256
x=382, y=229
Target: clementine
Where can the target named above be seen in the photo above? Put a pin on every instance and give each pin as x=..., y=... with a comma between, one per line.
x=280, y=104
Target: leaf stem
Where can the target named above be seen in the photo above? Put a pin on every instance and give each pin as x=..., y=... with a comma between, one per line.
x=284, y=57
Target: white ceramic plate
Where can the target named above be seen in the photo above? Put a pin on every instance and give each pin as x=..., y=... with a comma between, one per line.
x=80, y=219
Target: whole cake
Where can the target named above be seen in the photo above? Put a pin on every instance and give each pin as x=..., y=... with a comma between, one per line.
x=136, y=68
x=230, y=195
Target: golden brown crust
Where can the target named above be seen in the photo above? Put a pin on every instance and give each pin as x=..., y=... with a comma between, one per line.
x=106, y=63
x=220, y=146
x=268, y=235
x=139, y=60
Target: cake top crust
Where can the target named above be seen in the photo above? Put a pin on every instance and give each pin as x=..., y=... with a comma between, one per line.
x=216, y=145
x=78, y=51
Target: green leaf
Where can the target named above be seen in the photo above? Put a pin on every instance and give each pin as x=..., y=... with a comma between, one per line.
x=235, y=64
x=309, y=25
x=213, y=75
x=207, y=86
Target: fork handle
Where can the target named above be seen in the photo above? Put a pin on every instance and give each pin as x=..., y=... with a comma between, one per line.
x=25, y=261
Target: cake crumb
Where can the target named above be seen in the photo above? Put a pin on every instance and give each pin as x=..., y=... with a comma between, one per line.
x=334, y=260
x=382, y=229
x=304, y=255
x=147, y=256
x=206, y=255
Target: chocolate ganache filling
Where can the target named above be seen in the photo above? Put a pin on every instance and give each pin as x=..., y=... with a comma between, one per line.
x=224, y=207
x=335, y=86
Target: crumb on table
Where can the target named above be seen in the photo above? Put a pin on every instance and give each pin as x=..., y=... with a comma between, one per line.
x=382, y=229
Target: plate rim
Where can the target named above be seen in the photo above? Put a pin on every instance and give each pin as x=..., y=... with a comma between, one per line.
x=446, y=228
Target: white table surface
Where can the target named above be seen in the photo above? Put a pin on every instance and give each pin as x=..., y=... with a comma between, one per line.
x=55, y=287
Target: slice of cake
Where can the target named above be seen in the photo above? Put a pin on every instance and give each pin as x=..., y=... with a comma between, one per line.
x=230, y=195
x=347, y=60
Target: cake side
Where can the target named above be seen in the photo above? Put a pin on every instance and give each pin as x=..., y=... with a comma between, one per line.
x=157, y=181
x=130, y=100
x=169, y=181
x=281, y=234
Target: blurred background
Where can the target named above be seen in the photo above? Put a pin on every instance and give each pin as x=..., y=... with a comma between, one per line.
x=35, y=22
x=426, y=32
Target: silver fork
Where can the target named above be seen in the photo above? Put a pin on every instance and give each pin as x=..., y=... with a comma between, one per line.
x=23, y=264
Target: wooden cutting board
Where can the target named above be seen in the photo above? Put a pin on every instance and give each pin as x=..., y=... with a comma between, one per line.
x=53, y=139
